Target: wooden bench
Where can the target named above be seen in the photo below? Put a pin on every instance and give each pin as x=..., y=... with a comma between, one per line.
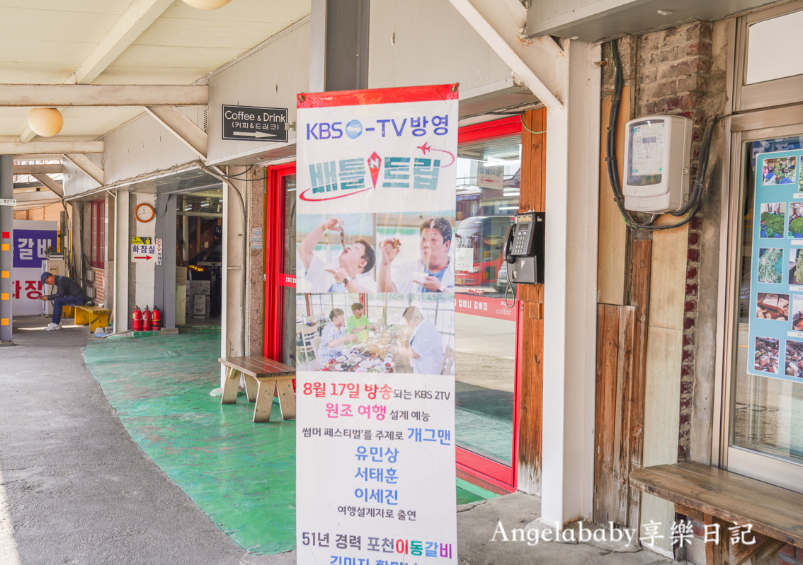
x=95, y=316
x=262, y=377
x=713, y=496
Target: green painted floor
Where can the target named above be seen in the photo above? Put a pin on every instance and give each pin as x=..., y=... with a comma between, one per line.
x=484, y=423
x=241, y=474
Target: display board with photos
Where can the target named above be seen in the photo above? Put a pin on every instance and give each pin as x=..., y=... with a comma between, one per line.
x=375, y=449
x=776, y=285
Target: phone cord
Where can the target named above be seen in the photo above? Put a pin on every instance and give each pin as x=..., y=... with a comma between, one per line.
x=509, y=289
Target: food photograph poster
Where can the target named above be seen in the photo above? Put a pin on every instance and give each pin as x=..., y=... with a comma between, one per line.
x=375, y=385
x=776, y=285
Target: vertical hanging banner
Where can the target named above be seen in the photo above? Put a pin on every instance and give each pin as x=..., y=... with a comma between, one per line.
x=375, y=455
x=31, y=241
x=776, y=280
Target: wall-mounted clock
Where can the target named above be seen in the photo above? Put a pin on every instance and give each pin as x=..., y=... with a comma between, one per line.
x=144, y=212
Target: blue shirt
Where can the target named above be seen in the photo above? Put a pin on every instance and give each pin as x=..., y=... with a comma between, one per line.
x=330, y=332
x=438, y=275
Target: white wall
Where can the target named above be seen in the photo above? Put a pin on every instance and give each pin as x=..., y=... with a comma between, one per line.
x=75, y=180
x=414, y=42
x=142, y=146
x=271, y=78
x=146, y=272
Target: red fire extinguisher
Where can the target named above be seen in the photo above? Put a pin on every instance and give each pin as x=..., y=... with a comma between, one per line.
x=146, y=319
x=156, y=318
x=136, y=320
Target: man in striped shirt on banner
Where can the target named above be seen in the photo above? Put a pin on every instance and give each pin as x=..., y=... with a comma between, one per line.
x=333, y=337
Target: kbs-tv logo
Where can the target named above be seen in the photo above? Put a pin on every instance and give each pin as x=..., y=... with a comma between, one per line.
x=418, y=127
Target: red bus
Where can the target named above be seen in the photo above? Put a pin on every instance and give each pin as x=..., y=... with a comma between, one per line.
x=478, y=249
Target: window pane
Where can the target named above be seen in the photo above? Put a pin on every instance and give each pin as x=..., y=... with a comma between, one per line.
x=489, y=177
x=488, y=184
x=771, y=49
x=766, y=413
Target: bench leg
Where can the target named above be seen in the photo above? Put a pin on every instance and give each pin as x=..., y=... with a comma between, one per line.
x=251, y=386
x=264, y=401
x=287, y=399
x=230, y=386
x=99, y=321
x=717, y=553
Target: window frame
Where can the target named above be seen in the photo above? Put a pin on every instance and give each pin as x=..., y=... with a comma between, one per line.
x=762, y=94
x=469, y=462
x=97, y=233
x=761, y=466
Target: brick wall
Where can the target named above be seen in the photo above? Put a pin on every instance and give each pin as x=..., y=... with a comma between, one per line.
x=674, y=73
x=99, y=284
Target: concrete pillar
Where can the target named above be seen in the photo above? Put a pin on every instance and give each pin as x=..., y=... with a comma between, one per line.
x=233, y=301
x=6, y=246
x=339, y=45
x=165, y=274
x=121, y=242
x=572, y=205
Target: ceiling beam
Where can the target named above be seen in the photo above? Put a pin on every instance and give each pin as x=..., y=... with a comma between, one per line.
x=182, y=127
x=130, y=25
x=86, y=165
x=51, y=184
x=65, y=95
x=36, y=197
x=50, y=147
x=48, y=169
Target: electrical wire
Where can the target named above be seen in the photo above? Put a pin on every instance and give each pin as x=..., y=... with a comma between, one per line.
x=521, y=118
x=248, y=170
x=691, y=207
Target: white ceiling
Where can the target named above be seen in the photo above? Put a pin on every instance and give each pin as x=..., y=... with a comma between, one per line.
x=45, y=41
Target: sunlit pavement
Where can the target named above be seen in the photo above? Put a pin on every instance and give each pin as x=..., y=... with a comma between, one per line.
x=79, y=489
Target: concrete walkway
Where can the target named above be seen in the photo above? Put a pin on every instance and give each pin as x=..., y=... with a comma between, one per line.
x=80, y=491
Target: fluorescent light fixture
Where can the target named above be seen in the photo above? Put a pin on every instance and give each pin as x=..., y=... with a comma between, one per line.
x=508, y=207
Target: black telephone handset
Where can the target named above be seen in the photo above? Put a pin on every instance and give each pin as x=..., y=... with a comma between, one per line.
x=507, y=246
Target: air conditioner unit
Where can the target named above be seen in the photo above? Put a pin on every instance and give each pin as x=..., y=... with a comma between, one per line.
x=90, y=275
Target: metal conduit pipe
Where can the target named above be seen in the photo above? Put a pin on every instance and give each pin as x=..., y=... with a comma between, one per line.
x=218, y=174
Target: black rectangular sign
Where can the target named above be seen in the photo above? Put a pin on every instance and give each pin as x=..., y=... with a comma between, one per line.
x=248, y=123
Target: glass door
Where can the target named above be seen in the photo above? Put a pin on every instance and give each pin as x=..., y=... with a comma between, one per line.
x=486, y=326
x=281, y=332
x=764, y=415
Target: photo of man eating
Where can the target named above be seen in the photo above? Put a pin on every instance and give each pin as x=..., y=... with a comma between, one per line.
x=432, y=272
x=348, y=274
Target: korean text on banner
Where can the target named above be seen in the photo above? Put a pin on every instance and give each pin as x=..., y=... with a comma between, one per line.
x=31, y=241
x=375, y=361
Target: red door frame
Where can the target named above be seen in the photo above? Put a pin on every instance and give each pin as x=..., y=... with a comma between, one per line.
x=490, y=471
x=274, y=259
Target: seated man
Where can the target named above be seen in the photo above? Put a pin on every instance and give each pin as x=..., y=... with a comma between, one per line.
x=433, y=272
x=358, y=323
x=68, y=293
x=348, y=274
x=333, y=337
x=426, y=350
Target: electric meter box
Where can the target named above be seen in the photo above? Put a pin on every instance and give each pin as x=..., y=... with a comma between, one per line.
x=656, y=172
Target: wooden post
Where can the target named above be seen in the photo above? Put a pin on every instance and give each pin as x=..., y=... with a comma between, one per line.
x=533, y=197
x=640, y=298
